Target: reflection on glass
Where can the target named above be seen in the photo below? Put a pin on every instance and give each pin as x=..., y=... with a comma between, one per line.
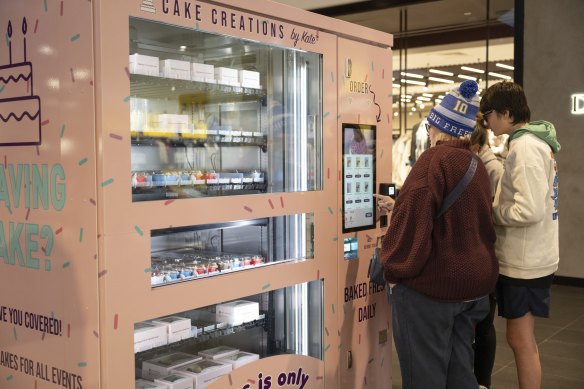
x=215, y=115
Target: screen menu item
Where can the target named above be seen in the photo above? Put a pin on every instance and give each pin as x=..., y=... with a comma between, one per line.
x=358, y=177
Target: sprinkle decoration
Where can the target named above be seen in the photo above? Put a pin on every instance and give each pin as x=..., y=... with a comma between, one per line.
x=83, y=161
x=107, y=182
x=36, y=25
x=75, y=37
x=116, y=321
x=327, y=348
x=248, y=209
x=63, y=126
x=330, y=210
x=82, y=364
x=14, y=333
x=167, y=202
x=27, y=213
x=116, y=136
x=326, y=331
x=127, y=71
x=326, y=114
x=95, y=334
x=271, y=204
x=282, y=201
x=59, y=230
x=230, y=379
x=266, y=286
x=66, y=265
x=101, y=273
x=68, y=330
x=72, y=74
x=81, y=234
x=139, y=230
x=92, y=201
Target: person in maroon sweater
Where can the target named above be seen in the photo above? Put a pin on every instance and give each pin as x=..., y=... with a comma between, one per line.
x=441, y=269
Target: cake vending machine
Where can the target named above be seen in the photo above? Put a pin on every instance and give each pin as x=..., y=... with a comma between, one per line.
x=175, y=209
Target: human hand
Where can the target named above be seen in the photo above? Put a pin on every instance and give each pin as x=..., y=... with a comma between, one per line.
x=384, y=203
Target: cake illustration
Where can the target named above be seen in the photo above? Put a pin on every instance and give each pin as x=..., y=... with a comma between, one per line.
x=20, y=109
x=148, y=6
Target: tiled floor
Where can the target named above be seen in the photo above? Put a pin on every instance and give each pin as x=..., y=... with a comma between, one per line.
x=561, y=345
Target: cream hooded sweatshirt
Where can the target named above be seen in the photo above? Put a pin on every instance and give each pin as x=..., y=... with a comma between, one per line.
x=525, y=209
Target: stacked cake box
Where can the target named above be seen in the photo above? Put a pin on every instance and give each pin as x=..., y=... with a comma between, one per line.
x=163, y=366
x=172, y=68
x=144, y=64
x=204, y=372
x=179, y=328
x=148, y=335
x=237, y=312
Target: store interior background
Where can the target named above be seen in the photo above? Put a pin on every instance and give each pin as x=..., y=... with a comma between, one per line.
x=536, y=43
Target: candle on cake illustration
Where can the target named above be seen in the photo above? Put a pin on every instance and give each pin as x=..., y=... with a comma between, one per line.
x=20, y=109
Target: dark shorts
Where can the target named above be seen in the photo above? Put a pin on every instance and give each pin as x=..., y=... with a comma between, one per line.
x=516, y=301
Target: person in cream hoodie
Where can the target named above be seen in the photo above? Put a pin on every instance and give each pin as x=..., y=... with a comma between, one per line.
x=525, y=215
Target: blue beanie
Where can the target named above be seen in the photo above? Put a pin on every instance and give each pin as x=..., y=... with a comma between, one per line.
x=456, y=114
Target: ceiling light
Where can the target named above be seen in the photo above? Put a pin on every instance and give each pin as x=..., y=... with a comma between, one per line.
x=414, y=75
x=423, y=98
x=472, y=69
x=395, y=114
x=437, y=101
x=422, y=106
x=406, y=96
x=467, y=77
x=499, y=75
x=427, y=94
x=441, y=96
x=441, y=72
x=182, y=48
x=396, y=85
x=444, y=80
x=412, y=82
x=414, y=109
x=467, y=13
x=502, y=65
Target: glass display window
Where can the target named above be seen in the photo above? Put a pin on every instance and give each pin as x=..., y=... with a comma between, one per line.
x=196, y=252
x=214, y=115
x=211, y=341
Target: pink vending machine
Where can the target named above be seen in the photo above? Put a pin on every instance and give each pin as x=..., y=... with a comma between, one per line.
x=186, y=196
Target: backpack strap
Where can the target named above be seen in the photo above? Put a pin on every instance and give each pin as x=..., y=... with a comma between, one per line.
x=460, y=187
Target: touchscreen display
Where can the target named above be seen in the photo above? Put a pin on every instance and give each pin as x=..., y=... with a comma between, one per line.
x=358, y=177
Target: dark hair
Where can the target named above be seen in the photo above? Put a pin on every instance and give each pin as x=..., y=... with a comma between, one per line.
x=506, y=96
x=480, y=134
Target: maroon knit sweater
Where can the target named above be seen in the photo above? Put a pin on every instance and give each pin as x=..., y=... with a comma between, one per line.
x=451, y=258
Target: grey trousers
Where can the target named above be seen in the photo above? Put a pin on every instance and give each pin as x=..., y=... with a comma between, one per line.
x=434, y=339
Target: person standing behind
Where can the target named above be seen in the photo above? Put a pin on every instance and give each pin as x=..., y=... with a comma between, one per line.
x=525, y=214
x=443, y=266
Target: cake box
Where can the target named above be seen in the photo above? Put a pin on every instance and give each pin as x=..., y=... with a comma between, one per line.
x=163, y=366
x=205, y=372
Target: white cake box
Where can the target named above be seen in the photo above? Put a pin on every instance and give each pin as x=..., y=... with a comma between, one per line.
x=202, y=72
x=179, y=328
x=240, y=359
x=218, y=352
x=144, y=384
x=237, y=312
x=249, y=79
x=149, y=335
x=172, y=68
x=163, y=366
x=173, y=123
x=144, y=64
x=226, y=73
x=204, y=372
x=176, y=381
